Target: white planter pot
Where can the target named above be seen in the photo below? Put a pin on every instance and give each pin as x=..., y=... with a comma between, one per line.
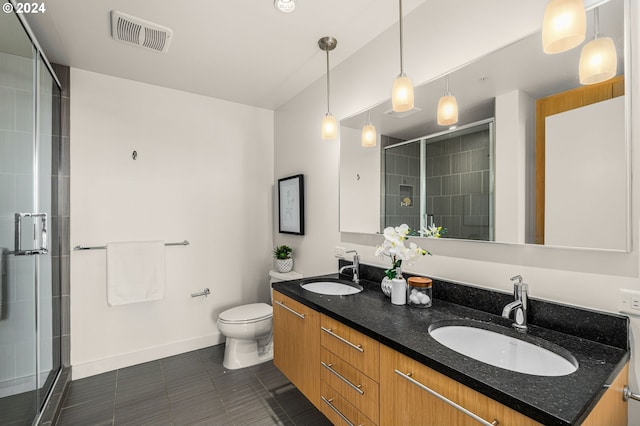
x=284, y=265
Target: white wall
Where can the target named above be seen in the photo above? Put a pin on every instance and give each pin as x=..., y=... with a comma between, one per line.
x=204, y=173
x=586, y=186
x=583, y=278
x=513, y=113
x=360, y=177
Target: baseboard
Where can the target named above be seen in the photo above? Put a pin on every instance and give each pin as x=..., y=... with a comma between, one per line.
x=103, y=365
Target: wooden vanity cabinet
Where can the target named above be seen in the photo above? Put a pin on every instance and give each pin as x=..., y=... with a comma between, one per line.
x=349, y=374
x=296, y=345
x=404, y=402
x=353, y=379
x=611, y=410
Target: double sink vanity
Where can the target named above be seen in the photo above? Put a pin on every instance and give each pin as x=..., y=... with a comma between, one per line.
x=362, y=360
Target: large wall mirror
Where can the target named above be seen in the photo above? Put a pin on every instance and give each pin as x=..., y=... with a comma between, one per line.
x=520, y=166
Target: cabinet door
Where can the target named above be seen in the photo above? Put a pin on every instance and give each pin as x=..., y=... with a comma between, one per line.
x=405, y=402
x=296, y=344
x=611, y=410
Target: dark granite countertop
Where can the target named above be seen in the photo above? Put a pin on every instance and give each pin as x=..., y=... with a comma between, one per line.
x=564, y=400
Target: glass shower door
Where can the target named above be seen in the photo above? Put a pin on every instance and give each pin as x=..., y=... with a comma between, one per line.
x=27, y=125
x=18, y=381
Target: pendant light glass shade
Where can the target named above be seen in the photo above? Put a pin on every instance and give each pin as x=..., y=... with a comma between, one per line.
x=369, y=135
x=598, y=59
x=402, y=91
x=447, y=107
x=564, y=25
x=329, y=124
x=329, y=127
x=447, y=110
x=402, y=94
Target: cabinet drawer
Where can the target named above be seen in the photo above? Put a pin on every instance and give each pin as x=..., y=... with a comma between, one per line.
x=401, y=384
x=352, y=384
x=352, y=346
x=338, y=410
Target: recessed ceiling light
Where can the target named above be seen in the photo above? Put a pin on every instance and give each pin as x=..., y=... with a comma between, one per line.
x=285, y=6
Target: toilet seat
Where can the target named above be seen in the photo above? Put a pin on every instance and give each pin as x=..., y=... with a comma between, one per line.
x=246, y=314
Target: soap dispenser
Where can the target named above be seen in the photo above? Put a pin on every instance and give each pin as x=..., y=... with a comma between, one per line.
x=399, y=289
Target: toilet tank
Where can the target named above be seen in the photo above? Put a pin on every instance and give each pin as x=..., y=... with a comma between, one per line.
x=275, y=276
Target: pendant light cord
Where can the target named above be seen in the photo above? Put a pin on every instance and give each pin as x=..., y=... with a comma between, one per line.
x=401, y=65
x=596, y=23
x=328, y=81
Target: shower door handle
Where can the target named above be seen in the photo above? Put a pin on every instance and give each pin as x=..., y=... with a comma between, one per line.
x=43, y=249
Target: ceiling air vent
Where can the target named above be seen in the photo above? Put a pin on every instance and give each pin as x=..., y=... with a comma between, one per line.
x=131, y=30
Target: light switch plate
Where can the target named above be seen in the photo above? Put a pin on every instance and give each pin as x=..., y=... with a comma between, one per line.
x=629, y=302
x=340, y=252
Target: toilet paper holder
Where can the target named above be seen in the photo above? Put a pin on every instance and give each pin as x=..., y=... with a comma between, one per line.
x=204, y=293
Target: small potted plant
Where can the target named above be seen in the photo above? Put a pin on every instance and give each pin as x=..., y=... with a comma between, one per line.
x=284, y=261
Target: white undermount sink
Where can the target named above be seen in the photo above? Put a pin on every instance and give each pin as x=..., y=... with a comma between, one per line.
x=504, y=351
x=331, y=287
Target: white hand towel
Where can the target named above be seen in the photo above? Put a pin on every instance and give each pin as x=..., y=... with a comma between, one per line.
x=135, y=272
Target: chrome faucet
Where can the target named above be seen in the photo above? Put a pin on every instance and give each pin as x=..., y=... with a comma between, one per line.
x=355, y=266
x=519, y=305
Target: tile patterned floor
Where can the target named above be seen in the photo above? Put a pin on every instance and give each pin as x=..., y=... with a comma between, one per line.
x=188, y=389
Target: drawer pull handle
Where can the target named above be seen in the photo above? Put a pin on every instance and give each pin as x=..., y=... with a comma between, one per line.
x=289, y=309
x=329, y=403
x=342, y=339
x=356, y=388
x=445, y=399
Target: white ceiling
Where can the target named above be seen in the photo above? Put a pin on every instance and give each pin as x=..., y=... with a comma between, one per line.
x=518, y=66
x=243, y=50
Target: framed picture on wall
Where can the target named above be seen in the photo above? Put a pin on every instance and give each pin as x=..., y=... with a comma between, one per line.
x=291, y=205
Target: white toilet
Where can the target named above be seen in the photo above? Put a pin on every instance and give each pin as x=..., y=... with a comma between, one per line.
x=249, y=330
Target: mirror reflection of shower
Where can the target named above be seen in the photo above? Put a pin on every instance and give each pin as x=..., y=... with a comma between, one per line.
x=442, y=180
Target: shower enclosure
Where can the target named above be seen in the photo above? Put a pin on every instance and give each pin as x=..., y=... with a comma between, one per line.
x=444, y=179
x=30, y=327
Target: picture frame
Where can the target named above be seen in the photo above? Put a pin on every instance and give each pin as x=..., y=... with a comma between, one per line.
x=291, y=205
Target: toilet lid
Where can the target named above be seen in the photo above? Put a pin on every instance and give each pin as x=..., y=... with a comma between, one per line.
x=247, y=313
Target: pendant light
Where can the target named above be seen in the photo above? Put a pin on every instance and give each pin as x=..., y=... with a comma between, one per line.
x=598, y=59
x=369, y=135
x=329, y=124
x=402, y=92
x=564, y=25
x=447, y=107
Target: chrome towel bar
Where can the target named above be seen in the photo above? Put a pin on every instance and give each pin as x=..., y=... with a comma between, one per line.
x=77, y=248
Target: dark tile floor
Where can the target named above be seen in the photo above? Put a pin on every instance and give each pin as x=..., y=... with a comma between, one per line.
x=188, y=389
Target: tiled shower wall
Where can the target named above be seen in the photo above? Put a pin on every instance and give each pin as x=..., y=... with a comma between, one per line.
x=458, y=185
x=457, y=179
x=60, y=188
